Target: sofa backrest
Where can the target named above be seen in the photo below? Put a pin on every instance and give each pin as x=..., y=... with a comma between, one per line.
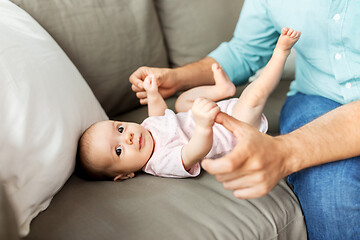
x=108, y=39
x=192, y=29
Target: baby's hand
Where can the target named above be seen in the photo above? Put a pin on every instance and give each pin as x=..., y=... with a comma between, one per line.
x=150, y=85
x=205, y=111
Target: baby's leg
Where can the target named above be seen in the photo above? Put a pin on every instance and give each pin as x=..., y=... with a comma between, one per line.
x=223, y=88
x=251, y=103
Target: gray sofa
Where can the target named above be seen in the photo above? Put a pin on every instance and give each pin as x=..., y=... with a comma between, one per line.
x=107, y=40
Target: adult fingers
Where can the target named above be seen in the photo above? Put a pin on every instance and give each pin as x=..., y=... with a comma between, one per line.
x=144, y=101
x=138, y=76
x=136, y=82
x=226, y=164
x=216, y=166
x=244, y=180
x=136, y=88
x=229, y=122
x=255, y=191
x=141, y=95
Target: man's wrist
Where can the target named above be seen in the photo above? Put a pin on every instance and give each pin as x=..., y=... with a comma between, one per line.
x=288, y=154
x=178, y=77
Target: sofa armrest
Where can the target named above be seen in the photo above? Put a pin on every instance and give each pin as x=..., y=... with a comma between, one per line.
x=8, y=227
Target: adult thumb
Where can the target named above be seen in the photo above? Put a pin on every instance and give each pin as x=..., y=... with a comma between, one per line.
x=230, y=123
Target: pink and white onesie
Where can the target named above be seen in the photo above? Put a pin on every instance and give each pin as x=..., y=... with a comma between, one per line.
x=172, y=131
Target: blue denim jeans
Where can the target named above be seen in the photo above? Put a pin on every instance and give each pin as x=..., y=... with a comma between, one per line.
x=329, y=194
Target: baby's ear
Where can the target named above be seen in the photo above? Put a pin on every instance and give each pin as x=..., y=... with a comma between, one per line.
x=124, y=176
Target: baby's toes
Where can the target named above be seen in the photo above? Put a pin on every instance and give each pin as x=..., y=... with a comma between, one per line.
x=284, y=30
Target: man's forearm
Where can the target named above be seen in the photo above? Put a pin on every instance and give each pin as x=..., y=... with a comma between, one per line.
x=196, y=74
x=333, y=136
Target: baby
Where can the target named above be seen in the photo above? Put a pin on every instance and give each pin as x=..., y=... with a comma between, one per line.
x=172, y=145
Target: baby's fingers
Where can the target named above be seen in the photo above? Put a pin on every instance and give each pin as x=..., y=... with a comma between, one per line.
x=210, y=106
x=215, y=110
x=147, y=83
x=213, y=113
x=154, y=82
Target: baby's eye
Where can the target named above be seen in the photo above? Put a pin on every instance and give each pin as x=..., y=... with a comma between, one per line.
x=121, y=129
x=118, y=151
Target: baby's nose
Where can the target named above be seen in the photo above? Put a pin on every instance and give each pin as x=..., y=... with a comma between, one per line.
x=129, y=138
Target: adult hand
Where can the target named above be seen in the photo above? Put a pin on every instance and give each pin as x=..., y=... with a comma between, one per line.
x=164, y=77
x=254, y=166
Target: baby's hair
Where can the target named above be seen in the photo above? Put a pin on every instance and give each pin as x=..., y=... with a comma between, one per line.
x=84, y=166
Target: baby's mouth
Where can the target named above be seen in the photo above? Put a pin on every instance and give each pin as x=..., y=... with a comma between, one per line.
x=140, y=142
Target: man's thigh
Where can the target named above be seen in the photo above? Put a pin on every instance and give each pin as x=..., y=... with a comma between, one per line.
x=301, y=109
x=329, y=193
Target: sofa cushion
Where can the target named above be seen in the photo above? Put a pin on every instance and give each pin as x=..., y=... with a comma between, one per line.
x=45, y=107
x=192, y=29
x=106, y=40
x=148, y=207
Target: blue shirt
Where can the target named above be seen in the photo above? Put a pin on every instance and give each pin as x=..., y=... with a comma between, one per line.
x=327, y=53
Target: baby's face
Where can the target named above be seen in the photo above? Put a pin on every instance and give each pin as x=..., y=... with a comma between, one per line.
x=121, y=147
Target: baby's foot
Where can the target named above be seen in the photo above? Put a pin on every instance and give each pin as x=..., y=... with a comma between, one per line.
x=224, y=87
x=287, y=39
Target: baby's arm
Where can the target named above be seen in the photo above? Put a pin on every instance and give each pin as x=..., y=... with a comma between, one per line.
x=156, y=103
x=204, y=111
